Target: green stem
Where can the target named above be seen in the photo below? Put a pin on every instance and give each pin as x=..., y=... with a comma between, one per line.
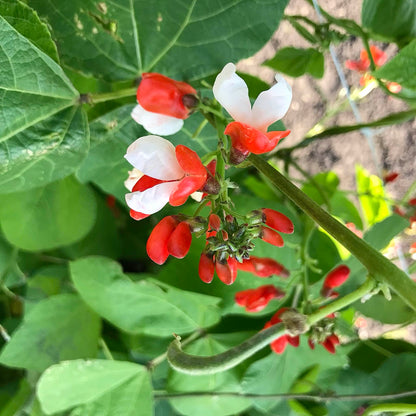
x=288, y=396
x=106, y=350
x=113, y=95
x=402, y=408
x=196, y=365
x=377, y=265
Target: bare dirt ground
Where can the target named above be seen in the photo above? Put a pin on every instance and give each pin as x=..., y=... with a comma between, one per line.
x=394, y=146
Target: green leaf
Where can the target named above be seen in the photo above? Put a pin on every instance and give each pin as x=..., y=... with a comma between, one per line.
x=121, y=40
x=103, y=388
x=45, y=152
x=142, y=307
x=278, y=373
x=226, y=381
x=390, y=20
x=48, y=217
x=27, y=23
x=395, y=375
x=10, y=273
x=372, y=196
x=103, y=239
x=33, y=86
x=393, y=311
x=402, y=68
x=58, y=328
x=343, y=208
x=297, y=61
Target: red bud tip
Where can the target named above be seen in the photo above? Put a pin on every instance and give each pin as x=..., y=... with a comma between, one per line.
x=278, y=221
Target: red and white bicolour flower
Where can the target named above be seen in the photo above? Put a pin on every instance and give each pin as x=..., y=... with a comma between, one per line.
x=163, y=103
x=249, y=130
x=170, y=175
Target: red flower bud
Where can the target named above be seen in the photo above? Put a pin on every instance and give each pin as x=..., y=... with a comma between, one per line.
x=263, y=267
x=390, y=177
x=336, y=277
x=277, y=221
x=157, y=243
x=271, y=237
x=255, y=300
x=214, y=222
x=330, y=343
x=180, y=241
x=227, y=271
x=412, y=201
x=206, y=268
x=163, y=95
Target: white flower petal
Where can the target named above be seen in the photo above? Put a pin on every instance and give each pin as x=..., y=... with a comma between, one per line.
x=134, y=176
x=151, y=200
x=156, y=123
x=271, y=105
x=232, y=93
x=197, y=196
x=155, y=157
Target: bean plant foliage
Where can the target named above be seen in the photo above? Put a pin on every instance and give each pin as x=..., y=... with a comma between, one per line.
x=119, y=295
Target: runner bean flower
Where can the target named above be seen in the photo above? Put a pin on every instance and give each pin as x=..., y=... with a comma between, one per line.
x=249, y=130
x=169, y=175
x=163, y=103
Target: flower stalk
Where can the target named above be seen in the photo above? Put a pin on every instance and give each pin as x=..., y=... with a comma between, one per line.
x=377, y=265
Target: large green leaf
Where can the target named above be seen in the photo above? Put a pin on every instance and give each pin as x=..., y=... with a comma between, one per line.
x=43, y=137
x=59, y=328
x=402, y=68
x=142, y=307
x=297, y=61
x=390, y=20
x=27, y=23
x=192, y=39
x=226, y=381
x=99, y=387
x=48, y=217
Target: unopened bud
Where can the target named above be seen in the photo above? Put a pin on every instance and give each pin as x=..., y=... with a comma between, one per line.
x=237, y=157
x=190, y=101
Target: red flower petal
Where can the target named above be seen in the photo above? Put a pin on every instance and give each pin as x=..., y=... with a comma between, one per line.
x=163, y=95
x=137, y=215
x=185, y=187
x=294, y=341
x=156, y=246
x=279, y=344
x=206, y=268
x=263, y=266
x=180, y=241
x=189, y=161
x=247, y=139
x=145, y=182
x=278, y=221
x=214, y=222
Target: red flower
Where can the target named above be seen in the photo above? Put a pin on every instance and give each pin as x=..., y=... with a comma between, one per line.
x=351, y=226
x=170, y=175
x=227, y=270
x=163, y=103
x=279, y=344
x=254, y=300
x=333, y=279
x=363, y=65
x=169, y=237
x=263, y=267
x=249, y=130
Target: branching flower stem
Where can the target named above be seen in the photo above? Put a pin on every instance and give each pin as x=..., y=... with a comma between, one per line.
x=377, y=265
